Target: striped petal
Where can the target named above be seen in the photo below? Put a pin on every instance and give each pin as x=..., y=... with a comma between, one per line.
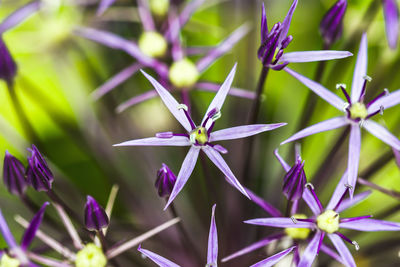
x=281, y=222
x=360, y=70
x=344, y=252
x=159, y=260
x=354, y=156
x=155, y=141
x=391, y=13
x=212, y=252
x=382, y=133
x=371, y=225
x=271, y=261
x=30, y=232
x=242, y=131
x=286, y=22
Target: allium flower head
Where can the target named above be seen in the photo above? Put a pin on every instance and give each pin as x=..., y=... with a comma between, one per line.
x=331, y=26
x=165, y=181
x=38, y=172
x=14, y=175
x=95, y=216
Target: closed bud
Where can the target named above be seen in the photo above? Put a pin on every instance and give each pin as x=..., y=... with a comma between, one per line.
x=8, y=68
x=95, y=216
x=14, y=175
x=331, y=26
x=38, y=172
x=165, y=181
x=294, y=181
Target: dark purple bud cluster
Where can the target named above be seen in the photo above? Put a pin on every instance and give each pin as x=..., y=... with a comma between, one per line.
x=165, y=181
x=294, y=181
x=95, y=216
x=331, y=26
x=8, y=68
x=38, y=172
x=14, y=175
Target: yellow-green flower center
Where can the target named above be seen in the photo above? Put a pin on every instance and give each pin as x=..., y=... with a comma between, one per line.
x=328, y=221
x=153, y=44
x=183, y=73
x=200, y=135
x=298, y=233
x=159, y=7
x=90, y=256
x=358, y=111
x=7, y=261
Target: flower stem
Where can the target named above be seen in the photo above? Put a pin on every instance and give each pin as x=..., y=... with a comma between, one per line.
x=391, y=193
x=55, y=198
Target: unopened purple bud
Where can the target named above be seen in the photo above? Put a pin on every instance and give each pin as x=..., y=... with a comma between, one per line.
x=294, y=181
x=38, y=172
x=95, y=216
x=8, y=68
x=165, y=181
x=14, y=175
x=331, y=26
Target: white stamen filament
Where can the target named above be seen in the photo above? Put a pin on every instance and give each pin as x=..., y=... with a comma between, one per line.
x=183, y=106
x=47, y=261
x=76, y=240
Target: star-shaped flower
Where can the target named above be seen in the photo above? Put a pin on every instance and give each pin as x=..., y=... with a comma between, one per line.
x=200, y=137
x=357, y=114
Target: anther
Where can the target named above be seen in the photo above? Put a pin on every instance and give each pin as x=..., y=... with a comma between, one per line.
x=216, y=116
x=309, y=185
x=386, y=91
x=183, y=106
x=361, y=123
x=355, y=245
x=340, y=86
x=367, y=78
x=381, y=109
x=349, y=186
x=293, y=219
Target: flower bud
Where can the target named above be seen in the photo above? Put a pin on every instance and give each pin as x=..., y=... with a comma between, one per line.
x=95, y=216
x=14, y=175
x=8, y=68
x=294, y=181
x=165, y=181
x=38, y=172
x=331, y=26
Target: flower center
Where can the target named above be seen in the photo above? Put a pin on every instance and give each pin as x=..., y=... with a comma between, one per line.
x=298, y=233
x=183, y=73
x=159, y=7
x=152, y=44
x=358, y=111
x=7, y=261
x=90, y=256
x=328, y=221
x=199, y=136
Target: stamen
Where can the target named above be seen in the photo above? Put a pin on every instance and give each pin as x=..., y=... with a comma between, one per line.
x=185, y=110
x=381, y=109
x=361, y=123
x=356, y=245
x=367, y=78
x=384, y=93
x=311, y=188
x=309, y=185
x=344, y=92
x=348, y=188
x=345, y=220
x=183, y=106
x=294, y=220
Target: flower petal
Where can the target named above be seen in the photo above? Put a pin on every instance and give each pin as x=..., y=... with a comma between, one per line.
x=286, y=22
x=354, y=156
x=219, y=98
x=397, y=156
x=19, y=16
x=317, y=128
x=243, y=131
x=184, y=173
x=386, y=102
x=281, y=222
x=254, y=246
x=222, y=48
x=391, y=13
x=155, y=141
x=219, y=161
x=103, y=6
x=213, y=87
x=347, y=203
x=160, y=261
x=267, y=207
x=30, y=232
x=371, y=225
x=285, y=166
x=311, y=251
x=344, y=252
x=328, y=251
x=5, y=231
x=212, y=253
x=136, y=100
x=311, y=202
x=145, y=15
x=271, y=261
x=264, y=24
x=324, y=93
x=170, y=102
x=360, y=70
x=382, y=133
x=311, y=56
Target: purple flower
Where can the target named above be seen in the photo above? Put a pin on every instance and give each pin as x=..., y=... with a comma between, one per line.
x=14, y=175
x=165, y=181
x=95, y=216
x=18, y=253
x=357, y=114
x=391, y=12
x=38, y=172
x=331, y=26
x=327, y=221
x=273, y=42
x=200, y=137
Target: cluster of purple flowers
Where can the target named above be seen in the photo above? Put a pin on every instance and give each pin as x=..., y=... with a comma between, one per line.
x=160, y=49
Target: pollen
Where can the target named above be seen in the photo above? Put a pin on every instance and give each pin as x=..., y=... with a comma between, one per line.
x=298, y=233
x=152, y=44
x=183, y=73
x=328, y=221
x=90, y=256
x=358, y=111
x=199, y=136
x=7, y=261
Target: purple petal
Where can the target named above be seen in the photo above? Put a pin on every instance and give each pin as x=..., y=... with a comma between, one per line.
x=242, y=131
x=30, y=232
x=338, y=193
x=160, y=261
x=136, y=100
x=95, y=216
x=218, y=160
x=155, y=141
x=382, y=133
x=354, y=156
x=311, y=251
x=270, y=209
x=371, y=225
x=271, y=261
x=103, y=6
x=5, y=231
x=286, y=22
x=145, y=15
x=311, y=56
x=347, y=203
x=170, y=102
x=219, y=98
x=317, y=128
x=397, y=156
x=264, y=24
x=222, y=48
x=115, y=81
x=386, y=102
x=254, y=246
x=212, y=253
x=281, y=222
x=311, y=202
x=19, y=15
x=391, y=13
x=328, y=251
x=213, y=87
x=343, y=250
x=285, y=166
x=14, y=175
x=184, y=173
x=360, y=70
x=324, y=93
